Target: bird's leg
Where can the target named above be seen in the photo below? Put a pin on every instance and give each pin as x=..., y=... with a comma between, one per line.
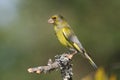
x=71, y=54
x=71, y=51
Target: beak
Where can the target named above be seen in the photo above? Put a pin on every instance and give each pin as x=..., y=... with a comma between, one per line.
x=51, y=21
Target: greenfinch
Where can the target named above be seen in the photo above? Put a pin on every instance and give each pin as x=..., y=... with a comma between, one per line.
x=67, y=37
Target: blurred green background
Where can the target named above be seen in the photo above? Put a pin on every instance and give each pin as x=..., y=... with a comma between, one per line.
x=27, y=40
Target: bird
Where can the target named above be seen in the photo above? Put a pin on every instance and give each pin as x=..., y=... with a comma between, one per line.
x=67, y=37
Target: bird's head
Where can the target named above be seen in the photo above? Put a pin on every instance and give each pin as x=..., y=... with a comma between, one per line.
x=56, y=19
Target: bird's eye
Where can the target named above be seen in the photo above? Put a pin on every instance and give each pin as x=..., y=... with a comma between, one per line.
x=54, y=18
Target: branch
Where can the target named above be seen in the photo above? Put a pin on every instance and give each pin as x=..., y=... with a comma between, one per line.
x=61, y=61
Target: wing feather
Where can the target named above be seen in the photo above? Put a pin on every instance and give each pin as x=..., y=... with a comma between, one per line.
x=72, y=38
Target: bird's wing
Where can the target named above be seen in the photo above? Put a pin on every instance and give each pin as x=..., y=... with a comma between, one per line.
x=72, y=38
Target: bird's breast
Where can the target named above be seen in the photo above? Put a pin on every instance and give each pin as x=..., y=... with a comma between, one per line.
x=61, y=38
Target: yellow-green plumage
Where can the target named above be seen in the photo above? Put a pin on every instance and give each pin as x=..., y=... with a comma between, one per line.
x=61, y=37
x=67, y=37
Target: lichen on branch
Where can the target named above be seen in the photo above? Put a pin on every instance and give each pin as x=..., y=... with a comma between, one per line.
x=62, y=62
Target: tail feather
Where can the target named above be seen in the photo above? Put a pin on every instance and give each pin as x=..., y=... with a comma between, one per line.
x=90, y=60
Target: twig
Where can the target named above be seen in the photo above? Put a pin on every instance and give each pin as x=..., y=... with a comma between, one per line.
x=61, y=61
